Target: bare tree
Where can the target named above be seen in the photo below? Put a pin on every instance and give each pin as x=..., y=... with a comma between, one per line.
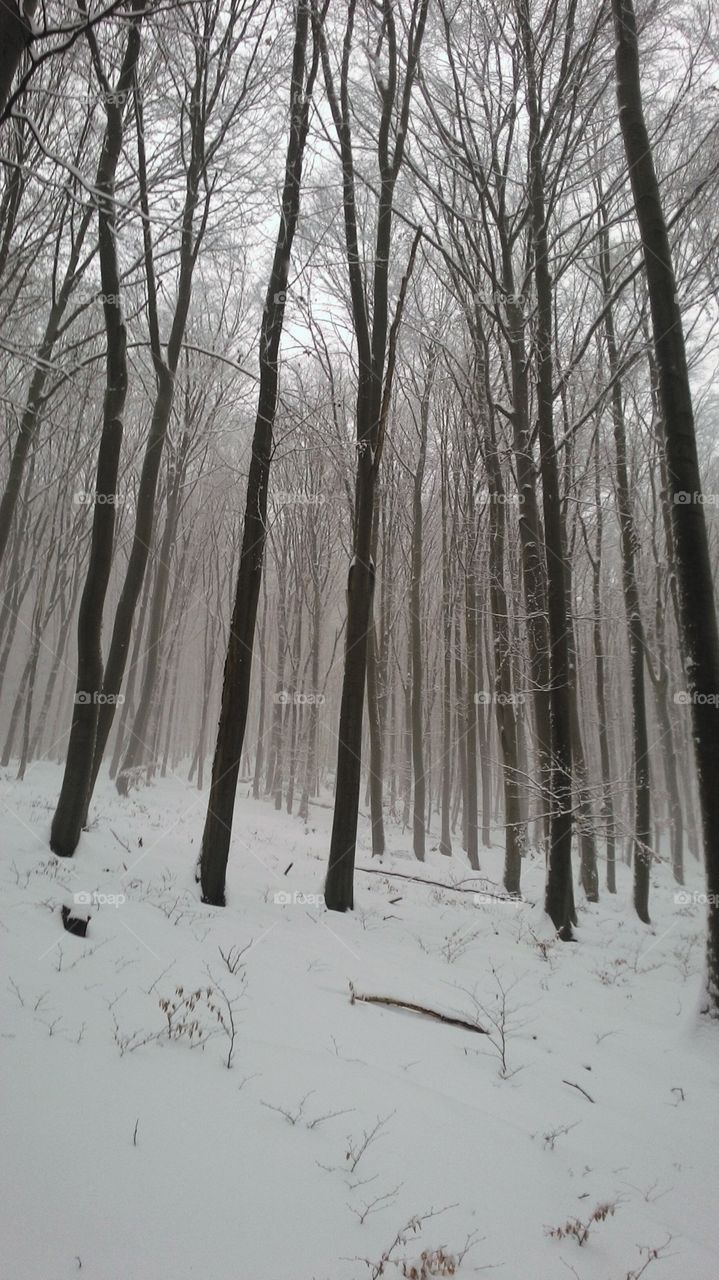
x=376, y=347
x=238, y=663
x=67, y=822
x=696, y=588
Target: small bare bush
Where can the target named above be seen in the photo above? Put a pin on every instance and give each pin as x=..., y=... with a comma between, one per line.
x=573, y=1227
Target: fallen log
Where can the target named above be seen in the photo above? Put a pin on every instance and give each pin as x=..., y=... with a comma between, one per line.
x=416, y=1008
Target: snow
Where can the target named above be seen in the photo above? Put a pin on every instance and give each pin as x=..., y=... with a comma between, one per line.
x=133, y=1155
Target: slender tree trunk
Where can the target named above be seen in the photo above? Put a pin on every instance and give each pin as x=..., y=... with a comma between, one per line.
x=375, y=781
x=600, y=682
x=72, y=804
x=139, y=746
x=445, y=840
x=559, y=896
x=376, y=369
x=415, y=614
x=472, y=710
x=128, y=700
x=259, y=754
x=531, y=536
x=238, y=662
x=635, y=626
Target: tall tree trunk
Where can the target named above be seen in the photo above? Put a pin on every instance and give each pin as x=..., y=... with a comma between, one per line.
x=260, y=750
x=310, y=780
x=415, y=614
x=534, y=577
x=72, y=804
x=376, y=370
x=374, y=714
x=445, y=840
x=238, y=662
x=139, y=747
x=559, y=902
x=696, y=587
x=472, y=708
x=503, y=697
x=598, y=644
x=635, y=626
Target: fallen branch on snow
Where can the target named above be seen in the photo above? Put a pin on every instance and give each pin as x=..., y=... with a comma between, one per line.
x=439, y=884
x=416, y=1008
x=572, y=1085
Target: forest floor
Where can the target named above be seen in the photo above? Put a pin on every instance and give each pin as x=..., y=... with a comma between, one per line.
x=345, y=1140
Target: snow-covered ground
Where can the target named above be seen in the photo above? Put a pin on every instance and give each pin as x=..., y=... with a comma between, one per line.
x=132, y=1152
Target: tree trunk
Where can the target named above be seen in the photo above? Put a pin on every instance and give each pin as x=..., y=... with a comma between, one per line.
x=559, y=896
x=445, y=840
x=16, y=27
x=635, y=626
x=72, y=804
x=415, y=614
x=238, y=662
x=696, y=588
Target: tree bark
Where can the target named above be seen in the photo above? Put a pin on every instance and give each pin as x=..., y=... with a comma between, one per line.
x=632, y=604
x=238, y=663
x=15, y=37
x=558, y=896
x=72, y=804
x=374, y=387
x=696, y=588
